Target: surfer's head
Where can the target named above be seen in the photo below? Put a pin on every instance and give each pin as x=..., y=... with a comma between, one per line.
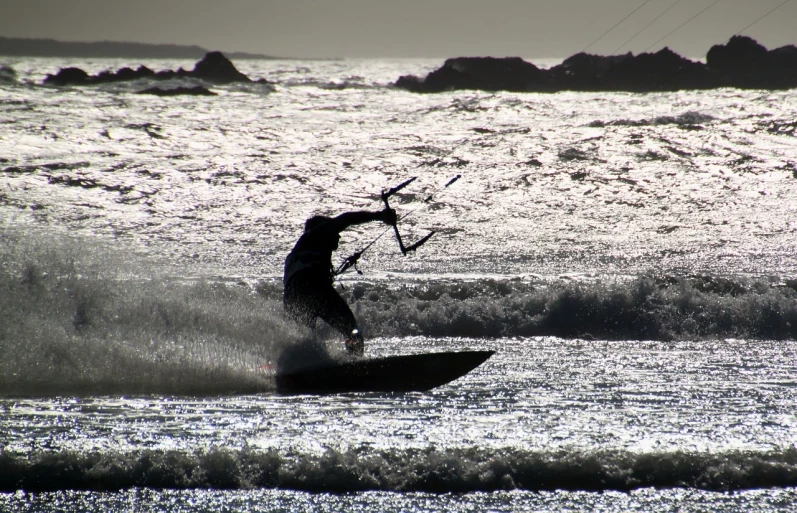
x=314, y=222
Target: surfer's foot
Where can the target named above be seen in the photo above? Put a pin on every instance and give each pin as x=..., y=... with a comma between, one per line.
x=355, y=344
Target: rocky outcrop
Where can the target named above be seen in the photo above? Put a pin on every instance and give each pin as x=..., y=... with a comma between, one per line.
x=661, y=71
x=214, y=67
x=485, y=73
x=742, y=62
x=71, y=76
x=7, y=74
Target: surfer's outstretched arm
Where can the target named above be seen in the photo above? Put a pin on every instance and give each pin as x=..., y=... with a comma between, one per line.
x=349, y=219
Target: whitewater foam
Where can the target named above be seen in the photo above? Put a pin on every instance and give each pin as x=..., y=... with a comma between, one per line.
x=427, y=470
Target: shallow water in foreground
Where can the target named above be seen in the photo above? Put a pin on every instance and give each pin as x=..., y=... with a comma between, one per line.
x=565, y=419
x=642, y=501
x=535, y=395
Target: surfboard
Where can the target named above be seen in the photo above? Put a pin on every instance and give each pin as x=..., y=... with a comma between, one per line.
x=405, y=373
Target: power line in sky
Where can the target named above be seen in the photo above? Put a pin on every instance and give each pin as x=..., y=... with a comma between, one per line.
x=649, y=24
x=676, y=29
x=762, y=17
x=615, y=25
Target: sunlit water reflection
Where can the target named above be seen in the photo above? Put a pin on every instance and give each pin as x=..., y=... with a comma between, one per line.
x=144, y=243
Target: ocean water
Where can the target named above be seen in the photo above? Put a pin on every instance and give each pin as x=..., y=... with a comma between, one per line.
x=630, y=258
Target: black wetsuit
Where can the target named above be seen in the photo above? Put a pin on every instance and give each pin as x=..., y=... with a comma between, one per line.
x=308, y=278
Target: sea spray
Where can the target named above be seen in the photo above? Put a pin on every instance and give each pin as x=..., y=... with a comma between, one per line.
x=70, y=325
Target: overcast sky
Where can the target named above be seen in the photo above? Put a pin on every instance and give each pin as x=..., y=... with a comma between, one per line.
x=405, y=28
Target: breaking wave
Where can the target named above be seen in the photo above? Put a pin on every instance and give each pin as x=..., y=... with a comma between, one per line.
x=457, y=470
x=133, y=86
x=350, y=83
x=687, y=119
x=642, y=308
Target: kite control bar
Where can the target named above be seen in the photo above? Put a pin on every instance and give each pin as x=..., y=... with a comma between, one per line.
x=385, y=196
x=352, y=260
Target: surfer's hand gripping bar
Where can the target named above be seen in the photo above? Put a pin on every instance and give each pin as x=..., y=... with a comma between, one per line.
x=354, y=258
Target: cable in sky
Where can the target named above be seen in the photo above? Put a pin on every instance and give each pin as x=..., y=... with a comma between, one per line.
x=649, y=24
x=615, y=25
x=762, y=17
x=681, y=25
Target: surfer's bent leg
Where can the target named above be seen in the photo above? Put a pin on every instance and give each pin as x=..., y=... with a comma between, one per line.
x=302, y=302
x=337, y=314
x=305, y=300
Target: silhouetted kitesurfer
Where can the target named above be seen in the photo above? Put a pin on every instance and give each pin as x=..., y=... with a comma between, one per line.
x=309, y=275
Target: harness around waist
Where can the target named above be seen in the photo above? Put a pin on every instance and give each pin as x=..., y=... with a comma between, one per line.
x=306, y=262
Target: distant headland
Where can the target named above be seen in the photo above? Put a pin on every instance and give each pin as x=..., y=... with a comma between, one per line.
x=19, y=47
x=742, y=63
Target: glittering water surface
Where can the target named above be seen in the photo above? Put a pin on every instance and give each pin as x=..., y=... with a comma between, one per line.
x=541, y=394
x=572, y=182
x=629, y=257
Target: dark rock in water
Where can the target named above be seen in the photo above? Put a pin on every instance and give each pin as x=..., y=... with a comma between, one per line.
x=129, y=74
x=746, y=63
x=76, y=76
x=741, y=63
x=143, y=71
x=213, y=67
x=740, y=51
x=584, y=70
x=661, y=71
x=485, y=73
x=68, y=76
x=176, y=91
x=7, y=73
x=411, y=83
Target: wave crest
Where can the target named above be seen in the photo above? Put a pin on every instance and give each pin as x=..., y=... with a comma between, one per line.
x=644, y=308
x=428, y=470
